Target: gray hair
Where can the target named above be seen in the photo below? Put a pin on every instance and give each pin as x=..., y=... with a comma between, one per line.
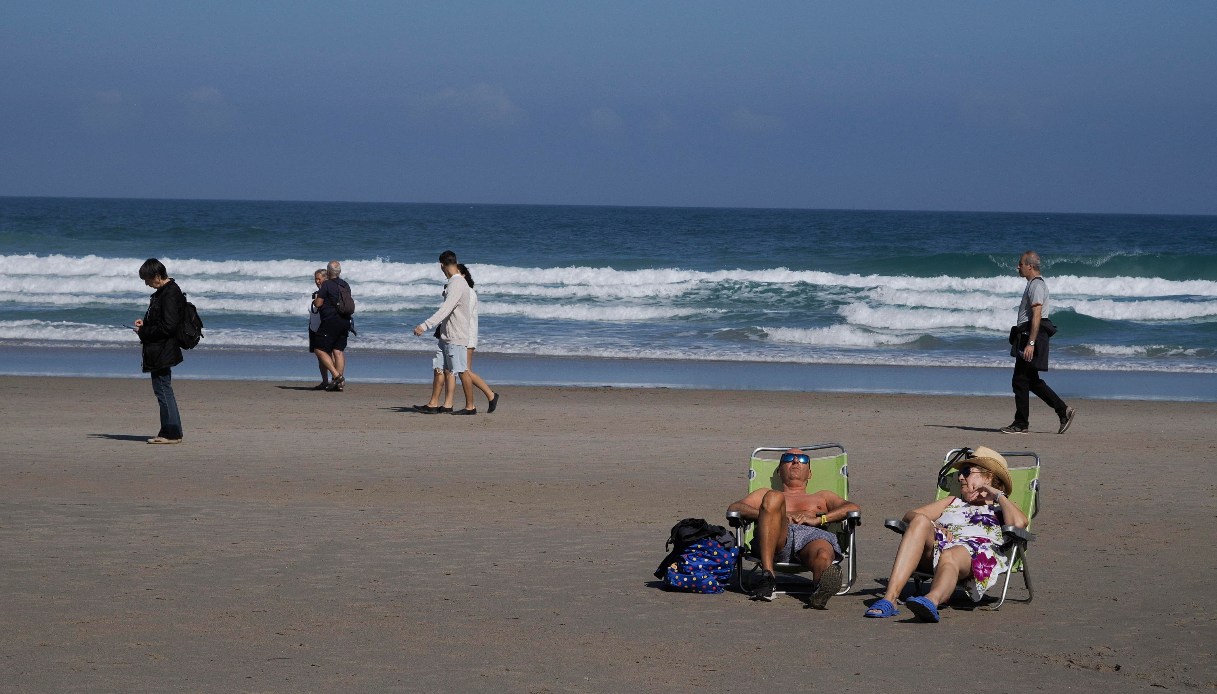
x=333, y=269
x=1032, y=259
x=320, y=271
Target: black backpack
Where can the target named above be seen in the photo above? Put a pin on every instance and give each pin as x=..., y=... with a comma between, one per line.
x=190, y=330
x=686, y=533
x=346, y=303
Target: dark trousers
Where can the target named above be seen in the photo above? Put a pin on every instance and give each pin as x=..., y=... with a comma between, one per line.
x=1027, y=380
x=171, y=421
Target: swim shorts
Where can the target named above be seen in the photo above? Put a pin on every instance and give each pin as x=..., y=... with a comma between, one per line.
x=799, y=536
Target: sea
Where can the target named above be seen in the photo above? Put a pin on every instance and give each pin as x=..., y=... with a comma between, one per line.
x=765, y=299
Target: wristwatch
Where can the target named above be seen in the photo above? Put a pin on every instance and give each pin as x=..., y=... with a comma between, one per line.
x=1031, y=343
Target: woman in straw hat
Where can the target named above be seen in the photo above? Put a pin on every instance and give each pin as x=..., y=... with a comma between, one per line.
x=958, y=538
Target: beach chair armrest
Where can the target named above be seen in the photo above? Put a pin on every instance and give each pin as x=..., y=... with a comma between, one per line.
x=736, y=520
x=896, y=525
x=853, y=518
x=1021, y=534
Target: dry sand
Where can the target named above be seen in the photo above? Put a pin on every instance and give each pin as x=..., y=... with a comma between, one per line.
x=304, y=541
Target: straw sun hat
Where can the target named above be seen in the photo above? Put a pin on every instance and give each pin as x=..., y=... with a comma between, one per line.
x=990, y=460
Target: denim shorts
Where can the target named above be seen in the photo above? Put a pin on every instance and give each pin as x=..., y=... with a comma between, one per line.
x=450, y=357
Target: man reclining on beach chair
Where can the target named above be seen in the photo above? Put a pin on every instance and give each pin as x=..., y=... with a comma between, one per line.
x=790, y=524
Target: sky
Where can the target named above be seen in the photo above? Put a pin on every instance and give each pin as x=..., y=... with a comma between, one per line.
x=1104, y=106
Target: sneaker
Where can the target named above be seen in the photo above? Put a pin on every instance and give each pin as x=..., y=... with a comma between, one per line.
x=1066, y=420
x=1013, y=429
x=764, y=585
x=163, y=440
x=830, y=583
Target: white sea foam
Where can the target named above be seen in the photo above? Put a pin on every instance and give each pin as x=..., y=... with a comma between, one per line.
x=923, y=319
x=1149, y=310
x=877, y=310
x=823, y=351
x=1106, y=309
x=1156, y=351
x=972, y=301
x=585, y=312
x=67, y=332
x=294, y=273
x=835, y=336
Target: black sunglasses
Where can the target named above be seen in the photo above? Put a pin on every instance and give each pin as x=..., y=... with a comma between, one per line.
x=800, y=458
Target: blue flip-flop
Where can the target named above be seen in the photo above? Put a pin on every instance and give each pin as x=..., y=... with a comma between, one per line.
x=885, y=609
x=923, y=608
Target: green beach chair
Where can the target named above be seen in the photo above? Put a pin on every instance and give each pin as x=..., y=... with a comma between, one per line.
x=1025, y=494
x=828, y=472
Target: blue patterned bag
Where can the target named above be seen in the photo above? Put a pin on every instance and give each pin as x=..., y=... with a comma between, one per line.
x=703, y=567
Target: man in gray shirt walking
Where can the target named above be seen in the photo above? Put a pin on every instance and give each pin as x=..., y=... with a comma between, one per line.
x=1029, y=347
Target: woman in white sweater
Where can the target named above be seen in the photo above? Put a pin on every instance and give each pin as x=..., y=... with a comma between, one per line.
x=470, y=380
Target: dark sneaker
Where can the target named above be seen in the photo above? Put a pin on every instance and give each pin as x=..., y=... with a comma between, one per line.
x=1013, y=429
x=830, y=583
x=764, y=585
x=1066, y=420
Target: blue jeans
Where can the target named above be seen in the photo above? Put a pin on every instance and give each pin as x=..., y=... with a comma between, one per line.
x=171, y=421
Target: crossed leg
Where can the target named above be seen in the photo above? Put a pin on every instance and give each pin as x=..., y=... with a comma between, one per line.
x=772, y=526
x=772, y=531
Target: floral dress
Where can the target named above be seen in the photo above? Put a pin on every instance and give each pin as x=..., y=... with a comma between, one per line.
x=978, y=528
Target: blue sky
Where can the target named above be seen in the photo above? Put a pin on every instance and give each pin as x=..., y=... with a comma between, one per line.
x=1028, y=106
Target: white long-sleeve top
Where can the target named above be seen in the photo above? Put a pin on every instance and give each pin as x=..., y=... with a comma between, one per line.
x=453, y=315
x=473, y=319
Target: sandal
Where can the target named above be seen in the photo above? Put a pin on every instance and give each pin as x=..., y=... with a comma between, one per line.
x=881, y=609
x=324, y=385
x=336, y=385
x=830, y=583
x=763, y=584
x=924, y=608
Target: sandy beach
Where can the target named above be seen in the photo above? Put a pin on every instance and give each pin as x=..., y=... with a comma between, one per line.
x=304, y=541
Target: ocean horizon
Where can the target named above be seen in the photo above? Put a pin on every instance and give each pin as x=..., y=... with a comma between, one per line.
x=722, y=297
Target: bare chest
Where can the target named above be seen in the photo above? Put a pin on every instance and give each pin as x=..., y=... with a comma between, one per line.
x=805, y=503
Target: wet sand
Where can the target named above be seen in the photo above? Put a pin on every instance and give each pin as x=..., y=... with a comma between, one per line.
x=305, y=541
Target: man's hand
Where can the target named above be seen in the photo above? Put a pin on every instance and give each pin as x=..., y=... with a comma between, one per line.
x=419, y=330
x=1029, y=352
x=804, y=518
x=138, y=324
